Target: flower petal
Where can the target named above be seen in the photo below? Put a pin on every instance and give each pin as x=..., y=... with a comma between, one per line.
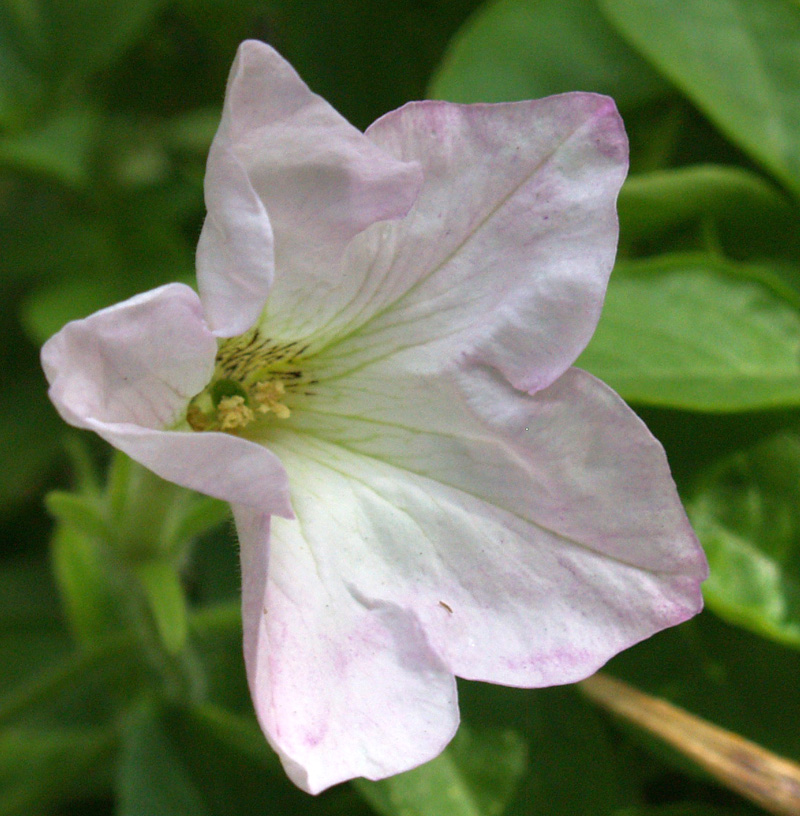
x=217, y=464
x=549, y=524
x=129, y=371
x=320, y=180
x=344, y=685
x=137, y=362
x=235, y=252
x=506, y=254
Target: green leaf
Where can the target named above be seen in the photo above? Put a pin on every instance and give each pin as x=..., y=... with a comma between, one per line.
x=365, y=57
x=20, y=90
x=699, y=333
x=739, y=62
x=565, y=739
x=31, y=632
x=725, y=674
x=199, y=515
x=236, y=771
x=241, y=735
x=38, y=768
x=475, y=776
x=230, y=761
x=152, y=778
x=216, y=636
x=192, y=132
x=81, y=513
x=166, y=601
x=82, y=575
x=747, y=213
x=747, y=514
x=569, y=741
x=75, y=686
x=27, y=594
x=519, y=49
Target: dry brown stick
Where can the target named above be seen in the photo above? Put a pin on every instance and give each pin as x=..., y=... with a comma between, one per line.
x=763, y=777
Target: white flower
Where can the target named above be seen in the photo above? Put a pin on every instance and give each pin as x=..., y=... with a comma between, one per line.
x=377, y=376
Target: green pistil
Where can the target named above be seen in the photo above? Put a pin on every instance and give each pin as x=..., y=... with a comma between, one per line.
x=226, y=388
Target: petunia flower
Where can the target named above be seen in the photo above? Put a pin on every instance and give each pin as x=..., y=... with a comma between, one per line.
x=377, y=375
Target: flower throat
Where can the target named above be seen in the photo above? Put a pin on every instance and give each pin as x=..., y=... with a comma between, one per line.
x=254, y=377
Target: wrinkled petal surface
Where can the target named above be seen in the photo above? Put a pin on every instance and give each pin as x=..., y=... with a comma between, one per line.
x=549, y=524
x=506, y=253
x=344, y=684
x=319, y=180
x=128, y=372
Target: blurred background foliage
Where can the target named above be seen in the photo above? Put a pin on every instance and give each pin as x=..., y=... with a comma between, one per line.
x=122, y=688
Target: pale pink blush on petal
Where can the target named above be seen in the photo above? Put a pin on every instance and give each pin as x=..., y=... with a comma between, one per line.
x=506, y=253
x=466, y=503
x=217, y=464
x=129, y=371
x=501, y=598
x=137, y=362
x=343, y=685
x=319, y=179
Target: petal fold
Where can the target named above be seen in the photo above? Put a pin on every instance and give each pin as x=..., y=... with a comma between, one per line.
x=235, y=258
x=320, y=182
x=129, y=371
x=137, y=362
x=344, y=685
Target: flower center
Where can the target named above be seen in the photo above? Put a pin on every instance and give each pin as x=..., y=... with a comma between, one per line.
x=254, y=378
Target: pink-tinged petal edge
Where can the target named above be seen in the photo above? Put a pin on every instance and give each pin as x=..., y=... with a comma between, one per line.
x=351, y=641
x=343, y=685
x=553, y=529
x=320, y=180
x=128, y=372
x=506, y=253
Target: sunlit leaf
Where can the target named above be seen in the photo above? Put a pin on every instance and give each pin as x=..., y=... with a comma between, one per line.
x=747, y=514
x=699, y=333
x=519, y=49
x=738, y=60
x=475, y=776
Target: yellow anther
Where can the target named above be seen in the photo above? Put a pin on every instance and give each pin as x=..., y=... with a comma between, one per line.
x=267, y=394
x=233, y=413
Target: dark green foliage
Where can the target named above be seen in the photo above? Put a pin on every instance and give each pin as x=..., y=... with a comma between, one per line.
x=107, y=110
